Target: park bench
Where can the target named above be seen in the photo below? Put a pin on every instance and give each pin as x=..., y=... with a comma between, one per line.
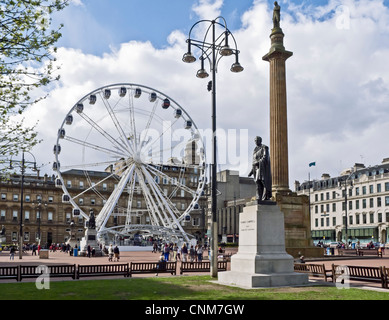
x=10, y=272
x=344, y=252
x=103, y=270
x=66, y=270
x=385, y=270
x=153, y=267
x=203, y=266
x=370, y=252
x=313, y=270
x=359, y=273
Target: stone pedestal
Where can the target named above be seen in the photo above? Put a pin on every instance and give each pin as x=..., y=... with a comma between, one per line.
x=90, y=239
x=261, y=260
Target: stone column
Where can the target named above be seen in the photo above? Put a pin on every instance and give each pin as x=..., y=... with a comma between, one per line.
x=278, y=113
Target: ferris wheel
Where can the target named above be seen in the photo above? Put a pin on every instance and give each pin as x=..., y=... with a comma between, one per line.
x=147, y=144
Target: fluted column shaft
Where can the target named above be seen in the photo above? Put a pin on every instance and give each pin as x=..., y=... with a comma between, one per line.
x=278, y=113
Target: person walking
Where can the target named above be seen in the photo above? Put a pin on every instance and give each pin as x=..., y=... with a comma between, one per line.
x=184, y=252
x=110, y=252
x=116, y=253
x=192, y=254
x=12, y=253
x=200, y=253
x=166, y=252
x=33, y=250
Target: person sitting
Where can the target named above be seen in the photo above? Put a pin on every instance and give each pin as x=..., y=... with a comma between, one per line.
x=161, y=264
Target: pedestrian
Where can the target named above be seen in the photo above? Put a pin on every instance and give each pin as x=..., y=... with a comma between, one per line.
x=33, y=250
x=184, y=252
x=89, y=250
x=178, y=253
x=192, y=254
x=110, y=252
x=116, y=253
x=155, y=247
x=200, y=253
x=175, y=250
x=166, y=252
x=12, y=253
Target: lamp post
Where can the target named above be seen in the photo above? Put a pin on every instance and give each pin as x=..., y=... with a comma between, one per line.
x=213, y=51
x=23, y=166
x=341, y=184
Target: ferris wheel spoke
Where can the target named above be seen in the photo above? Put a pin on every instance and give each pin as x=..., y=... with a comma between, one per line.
x=118, y=127
x=171, y=180
x=132, y=121
x=96, y=147
x=105, y=134
x=150, y=119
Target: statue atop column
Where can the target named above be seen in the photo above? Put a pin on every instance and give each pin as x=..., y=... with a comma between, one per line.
x=261, y=170
x=276, y=15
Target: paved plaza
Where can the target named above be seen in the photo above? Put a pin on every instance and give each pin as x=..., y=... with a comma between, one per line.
x=59, y=257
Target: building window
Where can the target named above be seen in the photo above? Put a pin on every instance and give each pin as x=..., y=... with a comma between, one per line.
x=50, y=216
x=364, y=204
x=105, y=187
x=14, y=215
x=81, y=184
x=26, y=236
x=69, y=183
x=68, y=217
x=334, y=207
x=51, y=199
x=3, y=196
x=334, y=221
x=2, y=215
x=387, y=201
x=371, y=202
x=15, y=197
x=371, y=217
x=379, y=216
x=386, y=186
x=371, y=189
x=357, y=219
x=27, y=198
x=364, y=218
x=14, y=236
x=378, y=187
x=357, y=191
x=350, y=220
x=364, y=190
x=379, y=202
x=26, y=215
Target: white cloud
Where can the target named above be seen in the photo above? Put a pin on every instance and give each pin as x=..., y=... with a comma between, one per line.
x=337, y=83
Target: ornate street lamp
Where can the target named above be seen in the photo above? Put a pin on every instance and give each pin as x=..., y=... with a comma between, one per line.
x=23, y=165
x=344, y=184
x=213, y=51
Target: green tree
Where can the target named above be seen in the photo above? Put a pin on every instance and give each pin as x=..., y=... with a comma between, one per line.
x=27, y=45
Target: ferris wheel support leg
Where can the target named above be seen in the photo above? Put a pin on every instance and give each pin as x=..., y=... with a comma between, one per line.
x=105, y=213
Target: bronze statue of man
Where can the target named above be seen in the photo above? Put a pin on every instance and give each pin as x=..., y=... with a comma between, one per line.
x=261, y=170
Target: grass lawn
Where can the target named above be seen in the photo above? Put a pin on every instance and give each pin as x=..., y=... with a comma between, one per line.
x=174, y=288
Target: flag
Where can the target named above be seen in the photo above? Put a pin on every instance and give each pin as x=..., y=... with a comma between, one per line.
x=312, y=164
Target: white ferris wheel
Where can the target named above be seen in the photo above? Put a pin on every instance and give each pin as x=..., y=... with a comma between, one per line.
x=135, y=134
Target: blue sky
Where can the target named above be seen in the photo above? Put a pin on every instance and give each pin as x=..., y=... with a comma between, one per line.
x=96, y=25
x=337, y=78
x=116, y=21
